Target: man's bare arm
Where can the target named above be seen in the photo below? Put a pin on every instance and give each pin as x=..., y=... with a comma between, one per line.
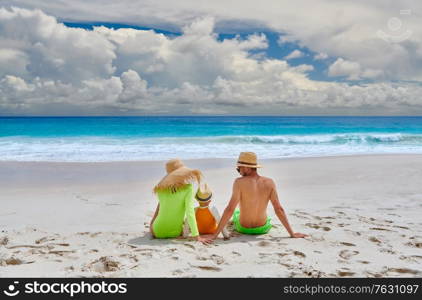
x=228, y=212
x=217, y=217
x=281, y=214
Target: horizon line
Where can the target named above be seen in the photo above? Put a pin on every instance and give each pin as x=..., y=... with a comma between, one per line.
x=131, y=116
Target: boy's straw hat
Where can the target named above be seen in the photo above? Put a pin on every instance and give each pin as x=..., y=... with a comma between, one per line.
x=177, y=176
x=248, y=159
x=204, y=193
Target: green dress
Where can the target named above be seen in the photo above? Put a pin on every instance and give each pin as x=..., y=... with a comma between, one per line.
x=174, y=207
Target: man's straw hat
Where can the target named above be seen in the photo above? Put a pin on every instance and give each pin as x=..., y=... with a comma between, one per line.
x=177, y=176
x=204, y=193
x=247, y=159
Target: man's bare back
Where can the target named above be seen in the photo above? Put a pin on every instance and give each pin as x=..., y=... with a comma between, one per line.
x=252, y=193
x=255, y=193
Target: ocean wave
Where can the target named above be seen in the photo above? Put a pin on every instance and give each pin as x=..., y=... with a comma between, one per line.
x=347, y=138
x=100, y=148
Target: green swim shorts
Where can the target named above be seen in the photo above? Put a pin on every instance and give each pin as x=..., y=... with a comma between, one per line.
x=255, y=230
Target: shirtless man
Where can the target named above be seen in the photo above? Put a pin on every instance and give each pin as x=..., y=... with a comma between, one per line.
x=253, y=193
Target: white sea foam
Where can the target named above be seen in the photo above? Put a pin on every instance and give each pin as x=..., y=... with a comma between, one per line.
x=92, y=149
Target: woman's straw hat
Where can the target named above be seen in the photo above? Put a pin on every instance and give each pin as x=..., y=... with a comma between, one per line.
x=204, y=193
x=177, y=176
x=247, y=159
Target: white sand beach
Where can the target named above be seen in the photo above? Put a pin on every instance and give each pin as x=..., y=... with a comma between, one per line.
x=362, y=214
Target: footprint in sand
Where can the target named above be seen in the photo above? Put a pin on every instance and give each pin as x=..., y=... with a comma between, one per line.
x=374, y=240
x=45, y=247
x=103, y=264
x=278, y=240
x=69, y=269
x=264, y=244
x=380, y=229
x=132, y=258
x=282, y=254
x=318, y=237
x=401, y=227
x=414, y=244
x=300, y=214
x=347, y=254
x=45, y=239
x=299, y=254
x=11, y=261
x=265, y=255
x=190, y=246
x=345, y=273
x=310, y=272
x=412, y=258
x=286, y=265
x=82, y=233
x=347, y=244
x=61, y=252
x=148, y=254
x=143, y=249
x=317, y=226
x=207, y=268
x=404, y=271
x=386, y=250
x=375, y=275
x=4, y=240
x=177, y=272
x=217, y=259
x=355, y=233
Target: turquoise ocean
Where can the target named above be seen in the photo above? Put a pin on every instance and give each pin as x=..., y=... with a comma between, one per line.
x=92, y=139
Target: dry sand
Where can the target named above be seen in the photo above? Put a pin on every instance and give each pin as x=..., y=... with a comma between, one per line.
x=363, y=215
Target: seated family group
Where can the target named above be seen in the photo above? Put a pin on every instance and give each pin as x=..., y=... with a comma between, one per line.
x=175, y=214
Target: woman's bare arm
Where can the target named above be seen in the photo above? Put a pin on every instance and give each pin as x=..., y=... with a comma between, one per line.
x=153, y=218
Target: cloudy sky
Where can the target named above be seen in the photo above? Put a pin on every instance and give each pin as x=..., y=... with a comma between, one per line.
x=243, y=57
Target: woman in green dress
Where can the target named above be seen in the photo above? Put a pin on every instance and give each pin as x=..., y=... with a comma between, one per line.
x=176, y=202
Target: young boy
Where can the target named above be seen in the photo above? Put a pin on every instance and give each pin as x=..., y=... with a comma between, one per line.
x=207, y=217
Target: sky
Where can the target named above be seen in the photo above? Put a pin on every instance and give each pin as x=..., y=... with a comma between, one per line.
x=187, y=57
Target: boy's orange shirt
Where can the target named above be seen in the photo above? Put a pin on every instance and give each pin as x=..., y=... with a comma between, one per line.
x=206, y=222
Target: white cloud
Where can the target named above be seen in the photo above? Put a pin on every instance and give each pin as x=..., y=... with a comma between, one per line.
x=50, y=50
x=61, y=69
x=321, y=56
x=347, y=29
x=294, y=54
x=352, y=70
x=12, y=60
x=343, y=67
